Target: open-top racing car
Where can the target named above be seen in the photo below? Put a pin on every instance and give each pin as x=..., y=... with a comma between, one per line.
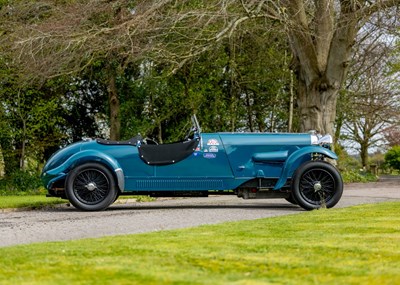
x=92, y=173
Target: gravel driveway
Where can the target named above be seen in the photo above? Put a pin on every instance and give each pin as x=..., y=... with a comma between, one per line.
x=66, y=223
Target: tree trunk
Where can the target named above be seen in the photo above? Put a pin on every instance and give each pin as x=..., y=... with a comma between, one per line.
x=113, y=100
x=259, y=113
x=290, y=121
x=364, y=154
x=249, y=111
x=22, y=158
x=317, y=108
x=321, y=54
x=159, y=132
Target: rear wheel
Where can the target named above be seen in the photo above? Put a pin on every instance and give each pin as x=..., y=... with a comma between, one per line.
x=317, y=184
x=291, y=200
x=91, y=187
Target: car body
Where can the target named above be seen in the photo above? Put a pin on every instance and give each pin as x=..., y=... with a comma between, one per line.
x=92, y=173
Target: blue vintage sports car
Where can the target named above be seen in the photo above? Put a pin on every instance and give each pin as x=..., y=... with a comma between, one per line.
x=92, y=173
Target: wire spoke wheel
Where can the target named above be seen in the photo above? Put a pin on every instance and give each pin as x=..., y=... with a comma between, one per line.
x=91, y=186
x=317, y=184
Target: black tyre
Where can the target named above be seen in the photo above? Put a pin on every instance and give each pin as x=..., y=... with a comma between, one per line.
x=91, y=187
x=291, y=200
x=317, y=184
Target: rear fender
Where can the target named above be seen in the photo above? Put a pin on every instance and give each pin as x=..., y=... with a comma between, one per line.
x=87, y=156
x=296, y=158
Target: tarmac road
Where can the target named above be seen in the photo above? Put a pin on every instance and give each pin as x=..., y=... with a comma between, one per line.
x=66, y=223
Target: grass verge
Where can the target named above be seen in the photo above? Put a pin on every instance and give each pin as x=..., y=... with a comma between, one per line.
x=357, y=245
x=29, y=201
x=40, y=201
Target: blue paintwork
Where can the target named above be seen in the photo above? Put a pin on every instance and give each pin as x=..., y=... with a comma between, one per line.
x=222, y=161
x=299, y=157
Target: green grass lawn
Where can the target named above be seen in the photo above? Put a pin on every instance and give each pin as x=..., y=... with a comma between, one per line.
x=40, y=201
x=30, y=201
x=357, y=245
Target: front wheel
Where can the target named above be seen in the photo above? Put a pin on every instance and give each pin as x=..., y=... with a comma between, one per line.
x=317, y=184
x=91, y=187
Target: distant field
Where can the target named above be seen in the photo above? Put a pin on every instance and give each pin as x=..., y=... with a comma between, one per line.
x=357, y=245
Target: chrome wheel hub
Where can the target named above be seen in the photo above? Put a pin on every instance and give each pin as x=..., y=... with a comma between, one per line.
x=91, y=186
x=317, y=186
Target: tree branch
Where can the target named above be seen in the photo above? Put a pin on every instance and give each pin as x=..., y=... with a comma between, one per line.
x=378, y=5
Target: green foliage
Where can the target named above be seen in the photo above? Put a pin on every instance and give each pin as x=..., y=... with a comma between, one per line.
x=377, y=158
x=29, y=116
x=350, y=176
x=240, y=86
x=346, y=161
x=32, y=121
x=351, y=169
x=392, y=157
x=83, y=102
x=3, y=3
x=356, y=245
x=21, y=183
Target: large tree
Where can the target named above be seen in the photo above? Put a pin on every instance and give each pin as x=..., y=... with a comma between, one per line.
x=59, y=38
x=370, y=102
x=373, y=105
x=321, y=34
x=74, y=34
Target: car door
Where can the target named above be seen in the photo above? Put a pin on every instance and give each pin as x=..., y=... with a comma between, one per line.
x=206, y=168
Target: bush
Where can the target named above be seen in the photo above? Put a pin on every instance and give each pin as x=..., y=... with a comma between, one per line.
x=392, y=157
x=350, y=176
x=350, y=168
x=346, y=161
x=21, y=183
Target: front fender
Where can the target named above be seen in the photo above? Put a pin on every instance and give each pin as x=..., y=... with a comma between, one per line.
x=293, y=160
x=86, y=156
